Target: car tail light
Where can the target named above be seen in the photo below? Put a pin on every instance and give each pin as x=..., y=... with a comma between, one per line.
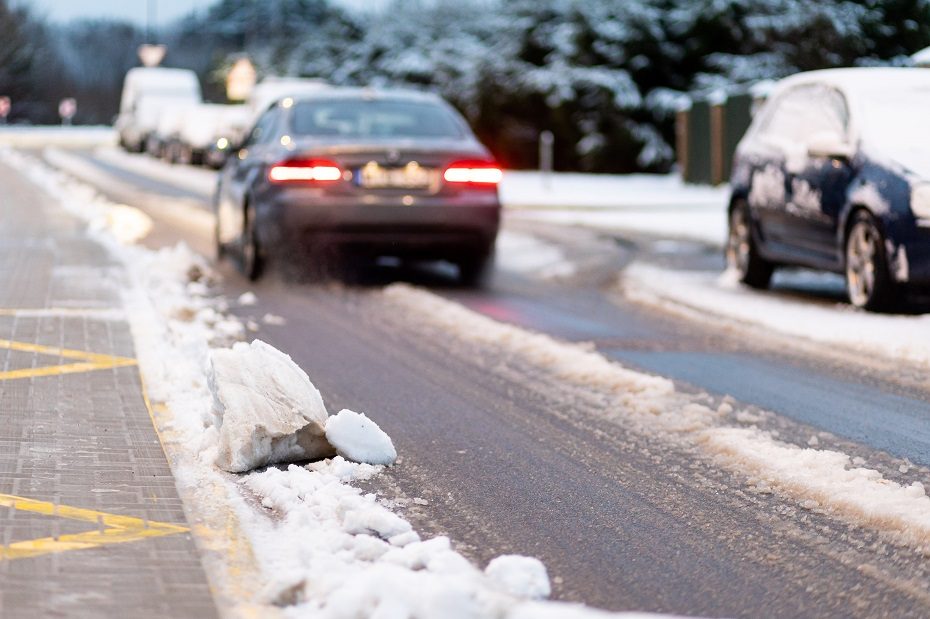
x=313, y=171
x=480, y=173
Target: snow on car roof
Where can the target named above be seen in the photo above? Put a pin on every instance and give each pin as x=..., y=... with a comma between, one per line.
x=864, y=80
x=371, y=93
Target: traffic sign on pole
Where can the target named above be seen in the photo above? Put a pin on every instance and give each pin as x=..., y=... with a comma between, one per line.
x=67, y=109
x=5, y=106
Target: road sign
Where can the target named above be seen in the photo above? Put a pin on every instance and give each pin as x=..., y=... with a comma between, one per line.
x=5, y=107
x=241, y=80
x=152, y=55
x=67, y=109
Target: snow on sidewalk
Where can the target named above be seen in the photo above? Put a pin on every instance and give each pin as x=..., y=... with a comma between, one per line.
x=659, y=205
x=319, y=547
x=714, y=295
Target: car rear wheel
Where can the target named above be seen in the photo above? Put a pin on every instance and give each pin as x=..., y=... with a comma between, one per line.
x=475, y=269
x=742, y=255
x=868, y=281
x=250, y=252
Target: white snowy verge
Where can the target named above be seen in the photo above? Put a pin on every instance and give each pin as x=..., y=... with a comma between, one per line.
x=319, y=547
x=894, y=337
x=42, y=136
x=522, y=253
x=814, y=478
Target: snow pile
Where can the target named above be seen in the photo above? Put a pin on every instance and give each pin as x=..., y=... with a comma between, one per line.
x=894, y=337
x=127, y=224
x=652, y=396
x=827, y=480
x=519, y=576
x=340, y=554
x=356, y=437
x=266, y=409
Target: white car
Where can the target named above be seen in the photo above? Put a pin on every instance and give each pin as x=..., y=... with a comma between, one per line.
x=147, y=91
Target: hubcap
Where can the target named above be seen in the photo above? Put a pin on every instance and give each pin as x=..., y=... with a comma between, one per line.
x=860, y=264
x=738, y=242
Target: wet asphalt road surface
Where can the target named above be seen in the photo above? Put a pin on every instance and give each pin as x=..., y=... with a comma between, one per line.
x=509, y=461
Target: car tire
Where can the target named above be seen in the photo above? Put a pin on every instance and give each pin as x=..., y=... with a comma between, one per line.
x=219, y=247
x=868, y=279
x=250, y=254
x=476, y=268
x=742, y=255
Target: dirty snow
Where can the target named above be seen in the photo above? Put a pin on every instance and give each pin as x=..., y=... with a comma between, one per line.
x=834, y=323
x=265, y=407
x=359, y=439
x=811, y=477
x=324, y=548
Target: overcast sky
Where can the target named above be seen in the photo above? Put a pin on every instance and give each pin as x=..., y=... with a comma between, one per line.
x=135, y=10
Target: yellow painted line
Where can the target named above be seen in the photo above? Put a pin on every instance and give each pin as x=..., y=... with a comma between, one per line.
x=116, y=529
x=88, y=361
x=232, y=568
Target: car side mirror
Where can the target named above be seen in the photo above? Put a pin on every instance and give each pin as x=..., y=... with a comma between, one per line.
x=830, y=145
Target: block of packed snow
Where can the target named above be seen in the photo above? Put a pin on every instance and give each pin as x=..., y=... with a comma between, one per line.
x=266, y=409
x=358, y=438
x=522, y=577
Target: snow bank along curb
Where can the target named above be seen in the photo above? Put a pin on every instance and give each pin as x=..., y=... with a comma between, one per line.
x=815, y=478
x=894, y=337
x=324, y=548
x=172, y=322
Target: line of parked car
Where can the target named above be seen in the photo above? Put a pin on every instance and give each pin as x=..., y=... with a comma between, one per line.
x=308, y=168
x=162, y=113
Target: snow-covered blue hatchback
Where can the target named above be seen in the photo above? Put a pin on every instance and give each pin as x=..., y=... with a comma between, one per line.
x=834, y=174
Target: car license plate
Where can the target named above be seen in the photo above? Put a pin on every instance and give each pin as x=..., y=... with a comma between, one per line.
x=410, y=176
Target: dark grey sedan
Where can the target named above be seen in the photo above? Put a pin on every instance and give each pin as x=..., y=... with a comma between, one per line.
x=377, y=173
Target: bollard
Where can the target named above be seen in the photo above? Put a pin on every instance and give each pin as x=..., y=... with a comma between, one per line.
x=546, y=143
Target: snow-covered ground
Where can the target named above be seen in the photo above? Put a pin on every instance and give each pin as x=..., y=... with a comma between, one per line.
x=827, y=480
x=660, y=205
x=317, y=546
x=40, y=136
x=200, y=181
x=526, y=254
x=831, y=322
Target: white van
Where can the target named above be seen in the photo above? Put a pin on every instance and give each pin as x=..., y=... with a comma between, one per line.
x=147, y=91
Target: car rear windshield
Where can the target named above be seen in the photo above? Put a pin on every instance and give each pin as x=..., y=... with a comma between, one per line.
x=357, y=118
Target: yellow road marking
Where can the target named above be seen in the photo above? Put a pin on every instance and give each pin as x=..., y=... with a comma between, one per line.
x=87, y=361
x=115, y=529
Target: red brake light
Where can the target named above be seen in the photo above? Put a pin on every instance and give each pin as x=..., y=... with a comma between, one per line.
x=305, y=171
x=483, y=173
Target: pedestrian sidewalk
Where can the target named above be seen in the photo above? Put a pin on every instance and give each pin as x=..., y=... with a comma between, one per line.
x=91, y=524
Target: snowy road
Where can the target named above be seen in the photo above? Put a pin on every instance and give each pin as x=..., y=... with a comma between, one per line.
x=509, y=461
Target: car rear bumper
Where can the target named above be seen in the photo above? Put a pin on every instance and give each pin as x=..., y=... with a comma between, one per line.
x=429, y=228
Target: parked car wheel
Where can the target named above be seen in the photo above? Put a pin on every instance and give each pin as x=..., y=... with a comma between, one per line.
x=741, y=253
x=868, y=281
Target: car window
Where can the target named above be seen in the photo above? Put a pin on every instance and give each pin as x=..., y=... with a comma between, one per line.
x=359, y=118
x=263, y=131
x=805, y=111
